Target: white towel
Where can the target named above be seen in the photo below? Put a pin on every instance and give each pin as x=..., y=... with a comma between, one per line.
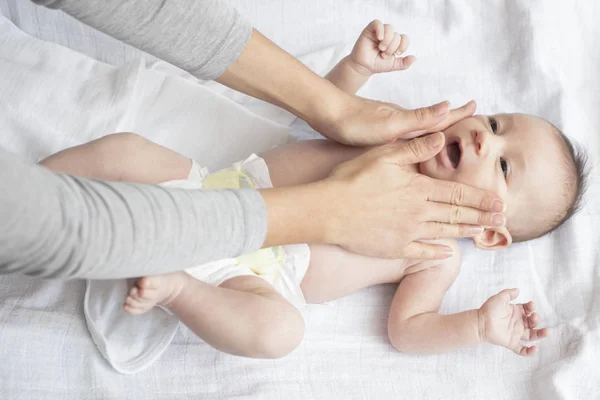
x=53, y=98
x=506, y=55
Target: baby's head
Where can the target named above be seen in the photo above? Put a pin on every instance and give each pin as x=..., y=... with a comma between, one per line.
x=526, y=160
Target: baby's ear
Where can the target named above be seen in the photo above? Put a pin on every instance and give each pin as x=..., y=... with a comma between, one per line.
x=493, y=239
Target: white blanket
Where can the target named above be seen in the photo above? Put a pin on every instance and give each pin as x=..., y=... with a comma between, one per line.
x=537, y=57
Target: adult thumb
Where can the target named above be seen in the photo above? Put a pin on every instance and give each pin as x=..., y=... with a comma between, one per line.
x=418, y=150
x=419, y=119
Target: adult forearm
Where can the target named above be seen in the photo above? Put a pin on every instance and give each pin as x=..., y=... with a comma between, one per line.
x=431, y=333
x=267, y=72
x=201, y=36
x=57, y=225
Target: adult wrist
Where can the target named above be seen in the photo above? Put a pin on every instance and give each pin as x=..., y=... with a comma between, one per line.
x=326, y=110
x=299, y=214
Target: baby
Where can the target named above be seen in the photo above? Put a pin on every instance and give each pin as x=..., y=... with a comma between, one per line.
x=245, y=306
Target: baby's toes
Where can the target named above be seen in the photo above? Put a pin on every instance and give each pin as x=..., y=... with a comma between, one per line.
x=147, y=282
x=133, y=306
x=132, y=309
x=133, y=301
x=146, y=294
x=133, y=291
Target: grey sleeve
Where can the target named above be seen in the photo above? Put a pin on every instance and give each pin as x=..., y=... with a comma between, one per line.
x=59, y=226
x=202, y=37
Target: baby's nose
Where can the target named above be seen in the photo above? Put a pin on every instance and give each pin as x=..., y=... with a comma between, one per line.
x=480, y=143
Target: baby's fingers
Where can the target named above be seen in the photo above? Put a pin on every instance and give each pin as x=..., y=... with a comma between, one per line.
x=377, y=27
x=402, y=46
x=388, y=36
x=507, y=295
x=391, y=48
x=525, y=350
x=532, y=320
x=535, y=334
x=529, y=307
x=403, y=63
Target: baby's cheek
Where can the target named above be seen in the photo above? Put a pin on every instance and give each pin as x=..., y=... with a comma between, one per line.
x=479, y=180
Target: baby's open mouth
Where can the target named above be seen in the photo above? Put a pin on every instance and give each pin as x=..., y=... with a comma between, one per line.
x=453, y=150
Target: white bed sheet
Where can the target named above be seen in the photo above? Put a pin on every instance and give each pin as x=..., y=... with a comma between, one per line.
x=541, y=58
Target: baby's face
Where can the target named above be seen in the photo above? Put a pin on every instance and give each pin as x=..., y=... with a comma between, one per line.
x=514, y=155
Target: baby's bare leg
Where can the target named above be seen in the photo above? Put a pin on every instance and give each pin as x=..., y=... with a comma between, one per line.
x=121, y=157
x=244, y=316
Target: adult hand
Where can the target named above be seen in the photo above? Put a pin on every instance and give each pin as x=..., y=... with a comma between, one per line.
x=265, y=71
x=363, y=122
x=375, y=207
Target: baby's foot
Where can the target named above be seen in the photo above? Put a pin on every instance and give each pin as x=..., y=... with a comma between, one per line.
x=152, y=290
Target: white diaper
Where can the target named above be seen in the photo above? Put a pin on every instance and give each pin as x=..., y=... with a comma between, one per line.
x=132, y=343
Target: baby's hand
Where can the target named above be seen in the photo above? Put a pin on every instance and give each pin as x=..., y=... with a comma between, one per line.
x=378, y=49
x=505, y=324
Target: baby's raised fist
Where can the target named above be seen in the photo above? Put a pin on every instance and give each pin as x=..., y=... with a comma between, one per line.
x=379, y=49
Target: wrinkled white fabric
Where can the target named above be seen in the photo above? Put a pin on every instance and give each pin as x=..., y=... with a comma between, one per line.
x=539, y=57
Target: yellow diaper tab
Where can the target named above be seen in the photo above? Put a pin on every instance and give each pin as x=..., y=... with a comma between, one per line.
x=230, y=178
x=264, y=262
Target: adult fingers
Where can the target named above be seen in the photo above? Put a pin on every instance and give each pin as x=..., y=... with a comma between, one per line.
x=414, y=151
x=440, y=230
x=451, y=118
x=453, y=214
x=464, y=195
x=456, y=115
x=405, y=123
x=426, y=251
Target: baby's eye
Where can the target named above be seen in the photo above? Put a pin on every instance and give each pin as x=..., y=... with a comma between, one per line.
x=493, y=124
x=504, y=167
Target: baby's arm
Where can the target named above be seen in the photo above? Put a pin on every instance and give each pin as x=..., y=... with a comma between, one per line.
x=306, y=161
x=415, y=326
x=377, y=50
